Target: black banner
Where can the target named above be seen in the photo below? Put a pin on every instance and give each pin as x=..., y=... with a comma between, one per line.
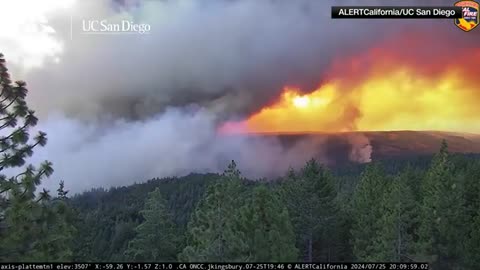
x=211, y=266
x=399, y=12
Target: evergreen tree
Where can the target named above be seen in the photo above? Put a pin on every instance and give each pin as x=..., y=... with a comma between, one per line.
x=55, y=230
x=397, y=224
x=473, y=243
x=442, y=229
x=213, y=232
x=472, y=189
x=268, y=231
x=412, y=177
x=367, y=213
x=472, y=198
x=124, y=233
x=156, y=238
x=341, y=233
x=310, y=197
x=63, y=228
x=29, y=221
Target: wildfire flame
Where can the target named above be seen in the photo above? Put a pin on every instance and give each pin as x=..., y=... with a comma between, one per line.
x=378, y=91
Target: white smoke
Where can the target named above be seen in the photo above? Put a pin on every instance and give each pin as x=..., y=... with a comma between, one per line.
x=361, y=148
x=177, y=142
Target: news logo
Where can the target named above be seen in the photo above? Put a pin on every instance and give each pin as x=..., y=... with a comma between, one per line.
x=470, y=17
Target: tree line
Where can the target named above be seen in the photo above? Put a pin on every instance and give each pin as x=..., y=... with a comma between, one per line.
x=428, y=215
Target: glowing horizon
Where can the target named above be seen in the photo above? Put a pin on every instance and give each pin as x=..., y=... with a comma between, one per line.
x=394, y=94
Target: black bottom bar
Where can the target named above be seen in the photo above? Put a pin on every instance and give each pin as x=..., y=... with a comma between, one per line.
x=211, y=266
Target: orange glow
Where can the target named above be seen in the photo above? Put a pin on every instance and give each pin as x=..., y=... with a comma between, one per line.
x=392, y=91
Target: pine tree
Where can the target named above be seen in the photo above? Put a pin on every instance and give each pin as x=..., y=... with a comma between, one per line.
x=267, y=228
x=156, y=238
x=473, y=243
x=398, y=222
x=55, y=230
x=442, y=228
x=472, y=189
x=63, y=229
x=213, y=232
x=367, y=213
x=26, y=217
x=310, y=197
x=341, y=233
x=61, y=192
x=472, y=200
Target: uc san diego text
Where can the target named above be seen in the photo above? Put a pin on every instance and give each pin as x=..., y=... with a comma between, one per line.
x=123, y=26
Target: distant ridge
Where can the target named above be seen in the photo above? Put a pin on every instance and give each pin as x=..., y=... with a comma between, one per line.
x=386, y=144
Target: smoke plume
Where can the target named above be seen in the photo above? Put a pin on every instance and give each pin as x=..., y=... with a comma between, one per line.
x=127, y=107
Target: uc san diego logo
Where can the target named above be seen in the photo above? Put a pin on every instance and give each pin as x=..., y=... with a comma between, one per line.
x=470, y=16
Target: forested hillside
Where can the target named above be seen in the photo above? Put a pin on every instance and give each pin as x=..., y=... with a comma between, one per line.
x=417, y=210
